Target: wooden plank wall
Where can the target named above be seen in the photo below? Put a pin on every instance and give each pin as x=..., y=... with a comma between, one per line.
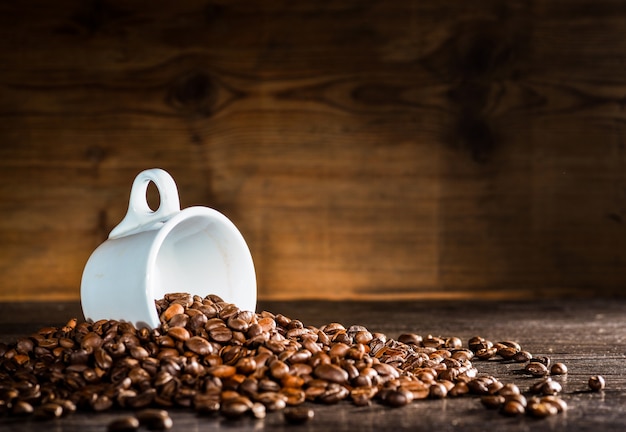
x=365, y=149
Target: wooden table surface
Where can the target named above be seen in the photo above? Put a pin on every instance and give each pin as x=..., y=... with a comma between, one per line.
x=588, y=335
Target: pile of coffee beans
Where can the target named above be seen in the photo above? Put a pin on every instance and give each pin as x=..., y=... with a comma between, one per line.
x=212, y=357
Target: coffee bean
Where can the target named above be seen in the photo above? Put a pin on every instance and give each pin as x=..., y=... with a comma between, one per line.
x=492, y=401
x=507, y=352
x=333, y=394
x=486, y=353
x=48, y=411
x=438, y=391
x=211, y=356
x=459, y=389
x=171, y=311
x=538, y=386
x=298, y=415
x=519, y=398
x=222, y=371
x=272, y=401
x=536, y=368
x=154, y=419
x=179, y=333
x=509, y=390
x=362, y=396
x=236, y=407
x=398, y=398
x=331, y=373
x=22, y=408
x=258, y=410
x=558, y=369
x=206, y=403
x=540, y=410
x=123, y=424
x=513, y=408
x=559, y=403
x=551, y=388
x=596, y=383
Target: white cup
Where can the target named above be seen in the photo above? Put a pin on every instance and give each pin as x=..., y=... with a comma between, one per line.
x=149, y=254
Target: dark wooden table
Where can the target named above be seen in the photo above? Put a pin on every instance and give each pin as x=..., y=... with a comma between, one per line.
x=589, y=336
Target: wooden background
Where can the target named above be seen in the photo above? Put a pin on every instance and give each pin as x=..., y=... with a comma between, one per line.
x=392, y=149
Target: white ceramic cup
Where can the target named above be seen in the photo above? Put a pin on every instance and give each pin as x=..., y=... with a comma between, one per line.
x=149, y=254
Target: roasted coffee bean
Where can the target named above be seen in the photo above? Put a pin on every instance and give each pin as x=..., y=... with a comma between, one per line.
x=507, y=352
x=171, y=311
x=179, y=333
x=543, y=360
x=522, y=357
x=558, y=369
x=459, y=389
x=540, y=410
x=123, y=424
x=410, y=338
x=486, y=353
x=273, y=401
x=438, y=391
x=209, y=355
x=22, y=408
x=332, y=373
x=333, y=394
x=258, y=410
x=298, y=415
x=398, y=398
x=519, y=398
x=536, y=369
x=362, y=396
x=538, y=386
x=236, y=407
x=559, y=403
x=48, y=411
x=492, y=401
x=551, y=388
x=596, y=383
x=207, y=403
x=513, y=408
x=154, y=419
x=494, y=387
x=509, y=390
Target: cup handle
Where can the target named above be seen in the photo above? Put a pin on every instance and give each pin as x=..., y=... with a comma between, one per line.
x=140, y=216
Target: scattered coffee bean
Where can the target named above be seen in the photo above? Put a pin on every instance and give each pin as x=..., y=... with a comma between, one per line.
x=154, y=419
x=551, y=388
x=21, y=408
x=596, y=383
x=559, y=403
x=543, y=360
x=298, y=415
x=513, y=408
x=124, y=424
x=558, y=369
x=438, y=391
x=522, y=357
x=48, y=411
x=209, y=356
x=536, y=369
x=540, y=409
x=492, y=401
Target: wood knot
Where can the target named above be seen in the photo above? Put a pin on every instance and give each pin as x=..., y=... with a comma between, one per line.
x=193, y=94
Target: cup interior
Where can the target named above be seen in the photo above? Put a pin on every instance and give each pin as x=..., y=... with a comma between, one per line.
x=202, y=255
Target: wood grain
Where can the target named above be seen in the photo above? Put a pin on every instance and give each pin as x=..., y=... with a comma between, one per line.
x=364, y=149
